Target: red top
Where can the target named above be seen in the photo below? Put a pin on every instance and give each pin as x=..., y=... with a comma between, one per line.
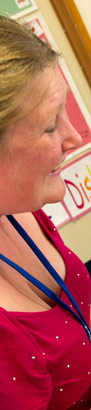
x=45, y=356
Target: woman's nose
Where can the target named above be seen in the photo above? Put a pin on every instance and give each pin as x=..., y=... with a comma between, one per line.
x=72, y=139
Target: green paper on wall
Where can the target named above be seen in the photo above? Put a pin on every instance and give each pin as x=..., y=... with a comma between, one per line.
x=16, y=8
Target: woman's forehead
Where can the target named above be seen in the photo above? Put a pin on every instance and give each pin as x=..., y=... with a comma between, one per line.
x=53, y=85
x=54, y=81
x=48, y=95
x=56, y=93
x=46, y=84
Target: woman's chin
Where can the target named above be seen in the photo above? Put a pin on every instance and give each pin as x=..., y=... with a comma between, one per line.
x=58, y=193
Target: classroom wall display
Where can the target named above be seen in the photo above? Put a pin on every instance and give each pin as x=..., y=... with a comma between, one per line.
x=17, y=8
x=77, y=177
x=76, y=108
x=77, y=200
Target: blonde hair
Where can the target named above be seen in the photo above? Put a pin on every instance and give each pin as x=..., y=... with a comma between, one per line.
x=22, y=56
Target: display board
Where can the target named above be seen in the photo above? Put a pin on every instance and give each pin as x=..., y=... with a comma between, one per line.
x=77, y=177
x=17, y=8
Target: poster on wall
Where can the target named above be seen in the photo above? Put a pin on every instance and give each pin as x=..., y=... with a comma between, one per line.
x=77, y=200
x=77, y=178
x=76, y=109
x=17, y=8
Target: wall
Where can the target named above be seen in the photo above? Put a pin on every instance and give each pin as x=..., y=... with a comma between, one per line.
x=76, y=235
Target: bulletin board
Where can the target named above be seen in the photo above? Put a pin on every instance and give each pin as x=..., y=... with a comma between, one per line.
x=77, y=178
x=17, y=8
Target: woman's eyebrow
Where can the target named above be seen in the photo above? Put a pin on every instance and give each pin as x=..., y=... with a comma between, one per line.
x=60, y=105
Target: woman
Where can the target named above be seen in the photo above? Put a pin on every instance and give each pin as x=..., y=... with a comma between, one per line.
x=44, y=345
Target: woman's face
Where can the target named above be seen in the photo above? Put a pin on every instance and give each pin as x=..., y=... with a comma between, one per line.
x=39, y=143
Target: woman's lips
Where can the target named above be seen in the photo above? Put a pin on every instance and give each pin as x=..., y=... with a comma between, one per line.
x=56, y=172
x=57, y=169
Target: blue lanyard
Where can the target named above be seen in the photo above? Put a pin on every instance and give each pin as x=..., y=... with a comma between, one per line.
x=51, y=270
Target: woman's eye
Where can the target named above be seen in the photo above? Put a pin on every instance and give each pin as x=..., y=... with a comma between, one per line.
x=51, y=130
